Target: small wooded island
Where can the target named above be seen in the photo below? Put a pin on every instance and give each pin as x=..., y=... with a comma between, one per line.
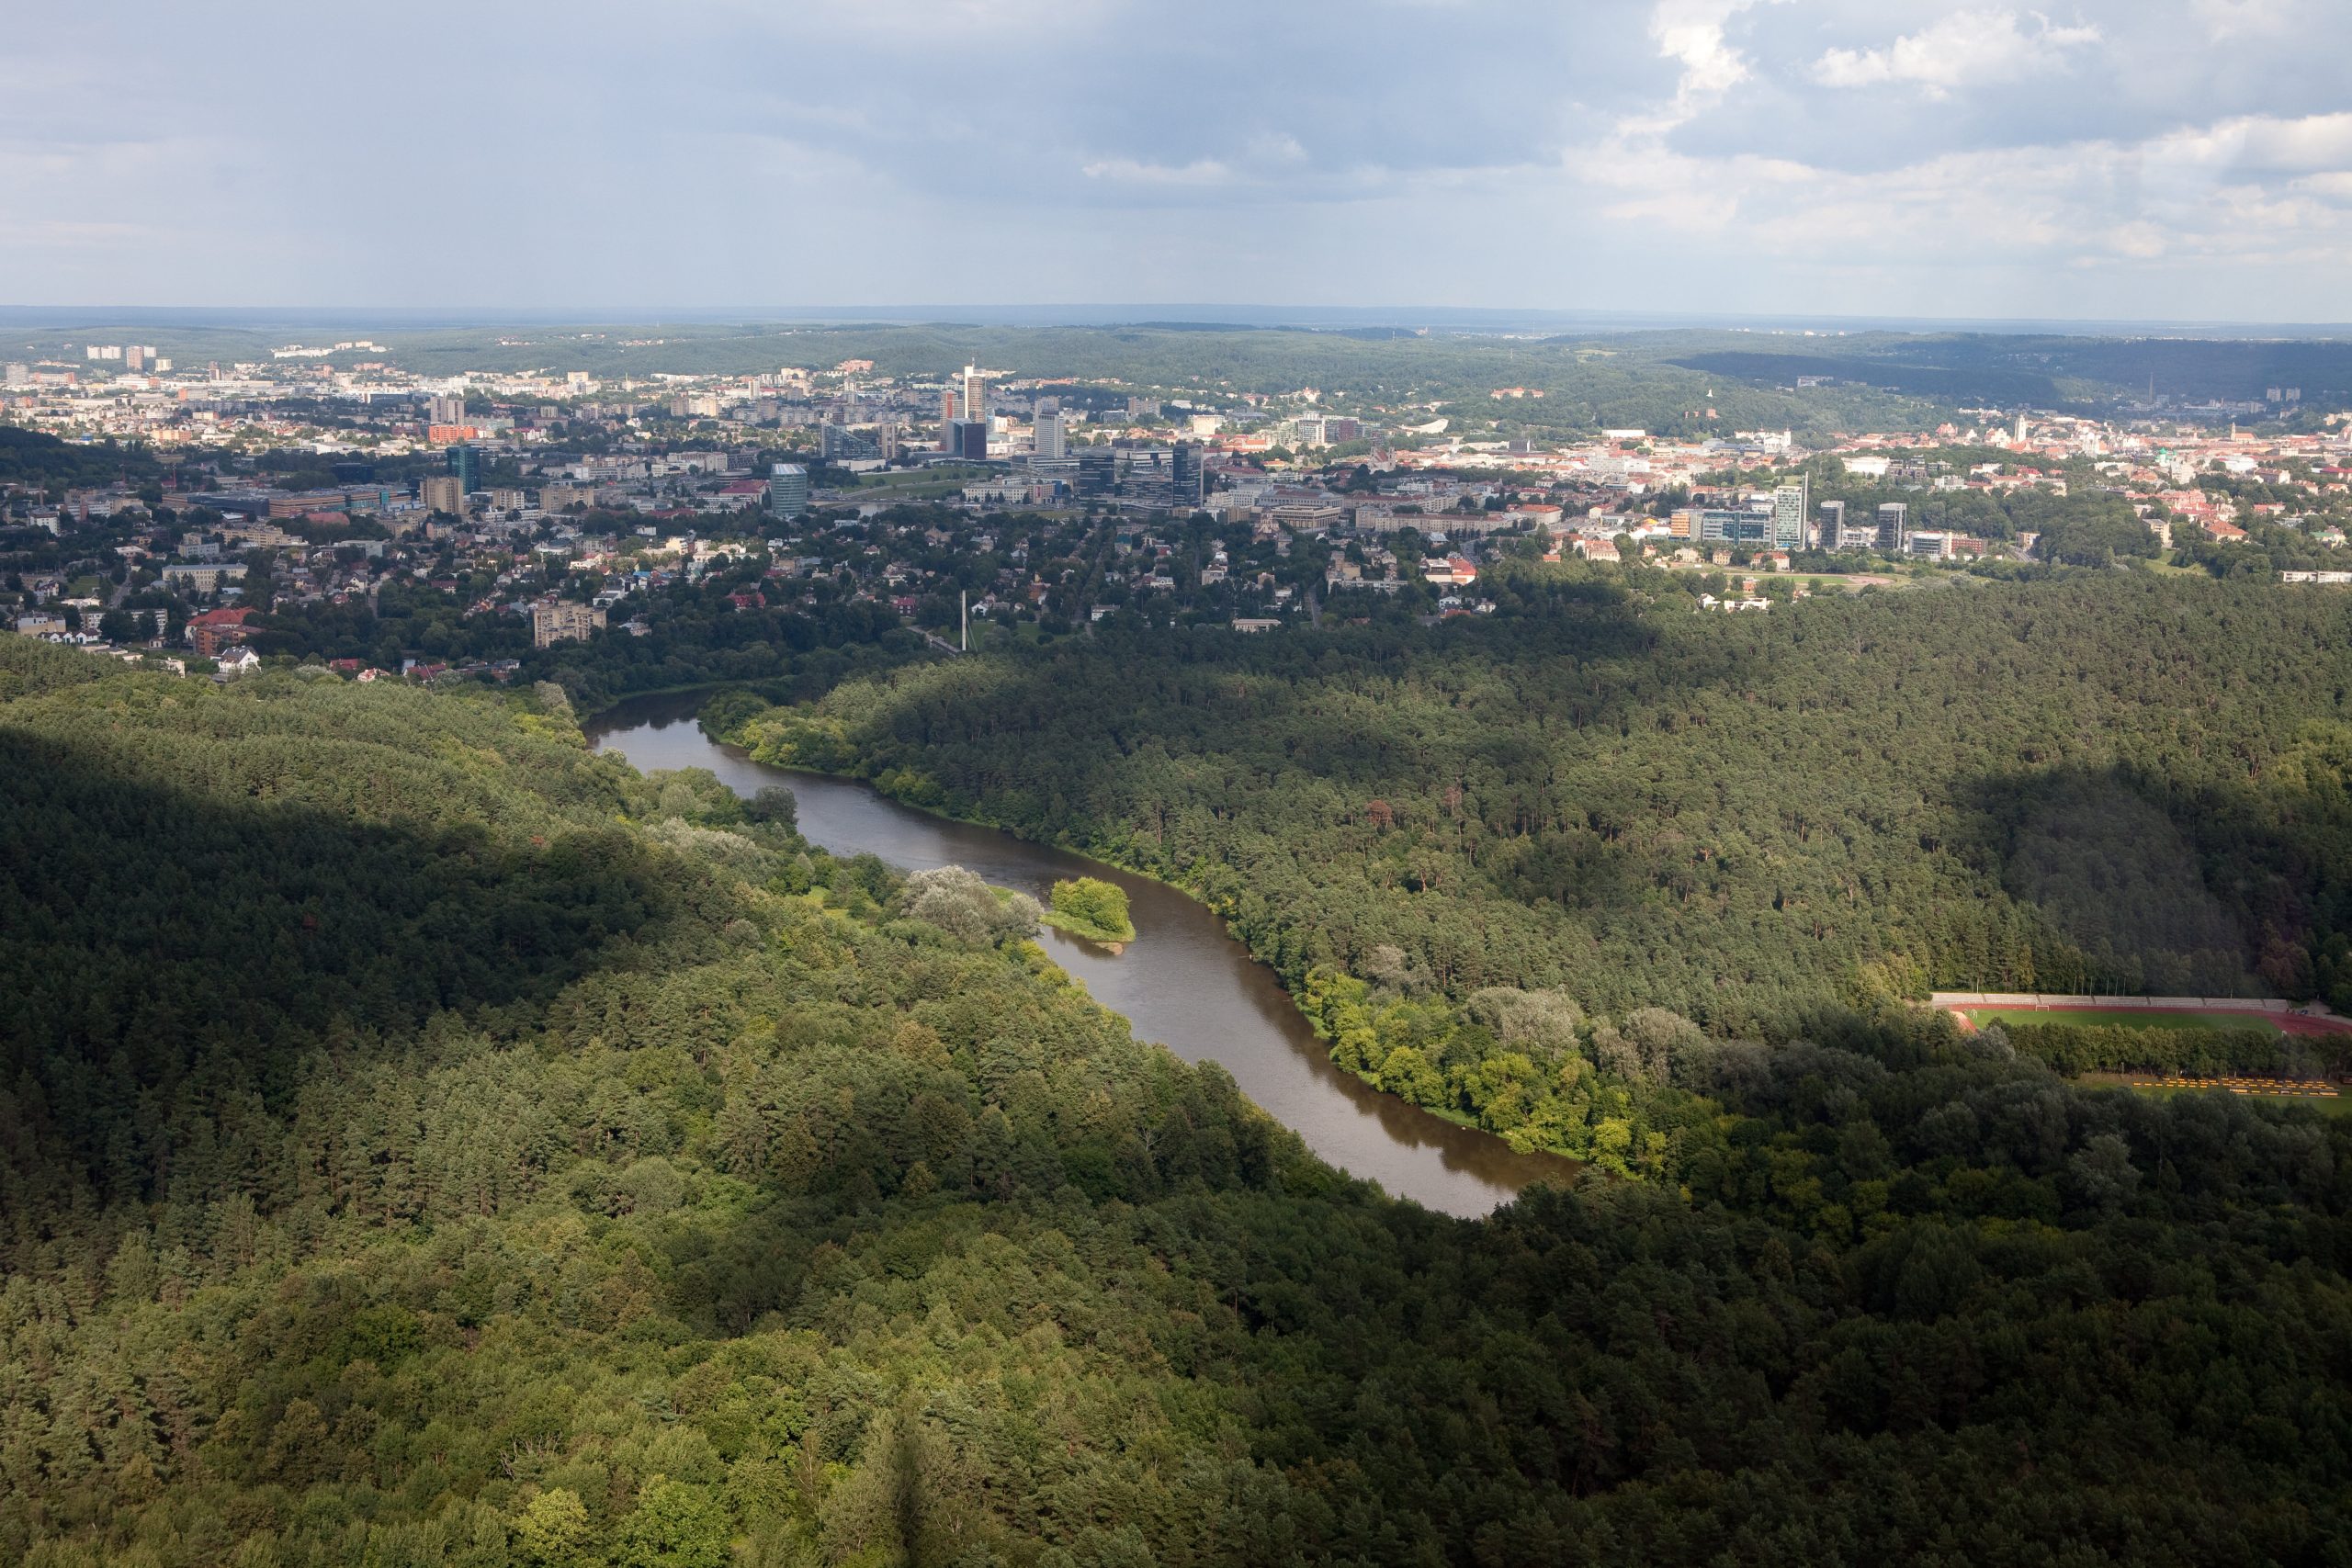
x=1093, y=909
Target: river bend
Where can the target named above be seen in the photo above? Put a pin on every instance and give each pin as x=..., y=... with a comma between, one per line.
x=1185, y=982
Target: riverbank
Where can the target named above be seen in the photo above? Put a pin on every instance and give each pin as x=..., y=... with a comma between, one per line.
x=590, y=721
x=1509, y=1057
x=1190, y=987
x=1098, y=935
x=895, y=785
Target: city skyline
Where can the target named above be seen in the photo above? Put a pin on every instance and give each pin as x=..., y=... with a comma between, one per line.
x=2181, y=161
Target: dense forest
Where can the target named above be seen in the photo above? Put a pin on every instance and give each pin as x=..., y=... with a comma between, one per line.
x=2045, y=371
x=33, y=457
x=694, y=637
x=2109, y=782
x=423, y=1142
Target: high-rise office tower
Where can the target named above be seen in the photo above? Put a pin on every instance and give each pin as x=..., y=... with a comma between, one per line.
x=839, y=442
x=967, y=438
x=1833, y=525
x=976, y=394
x=1184, y=473
x=1893, y=528
x=1052, y=441
x=464, y=463
x=1097, y=471
x=1788, y=517
x=787, y=490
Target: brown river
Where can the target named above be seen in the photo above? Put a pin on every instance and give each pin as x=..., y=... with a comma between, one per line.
x=1184, y=982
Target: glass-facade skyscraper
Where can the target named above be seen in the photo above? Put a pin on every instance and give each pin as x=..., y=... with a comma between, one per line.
x=787, y=490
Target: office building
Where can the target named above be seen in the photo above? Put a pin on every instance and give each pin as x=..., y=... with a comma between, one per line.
x=1184, y=467
x=444, y=492
x=787, y=490
x=1893, y=528
x=967, y=438
x=1150, y=474
x=1788, y=517
x=1061, y=473
x=464, y=462
x=1097, y=470
x=976, y=394
x=1052, y=441
x=839, y=442
x=1734, y=527
x=1831, y=534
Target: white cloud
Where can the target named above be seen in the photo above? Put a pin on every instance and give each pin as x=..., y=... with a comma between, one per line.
x=2313, y=143
x=1691, y=33
x=1200, y=172
x=2203, y=194
x=1956, y=49
x=2335, y=186
x=2233, y=18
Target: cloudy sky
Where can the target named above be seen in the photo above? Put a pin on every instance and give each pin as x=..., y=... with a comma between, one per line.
x=2151, y=159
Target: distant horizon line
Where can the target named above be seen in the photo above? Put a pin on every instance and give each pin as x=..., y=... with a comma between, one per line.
x=1133, y=314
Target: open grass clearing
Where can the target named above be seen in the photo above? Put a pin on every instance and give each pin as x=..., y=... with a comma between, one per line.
x=2123, y=1018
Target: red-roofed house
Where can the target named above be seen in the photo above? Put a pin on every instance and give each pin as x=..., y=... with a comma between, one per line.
x=215, y=629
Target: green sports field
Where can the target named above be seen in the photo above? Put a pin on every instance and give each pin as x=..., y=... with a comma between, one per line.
x=2123, y=1018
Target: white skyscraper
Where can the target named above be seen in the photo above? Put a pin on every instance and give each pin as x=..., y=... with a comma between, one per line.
x=1788, y=516
x=1052, y=440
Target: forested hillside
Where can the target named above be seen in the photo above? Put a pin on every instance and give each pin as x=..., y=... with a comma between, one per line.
x=2107, y=781
x=422, y=1142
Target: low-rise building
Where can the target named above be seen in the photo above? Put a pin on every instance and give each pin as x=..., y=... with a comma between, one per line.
x=216, y=630
x=551, y=624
